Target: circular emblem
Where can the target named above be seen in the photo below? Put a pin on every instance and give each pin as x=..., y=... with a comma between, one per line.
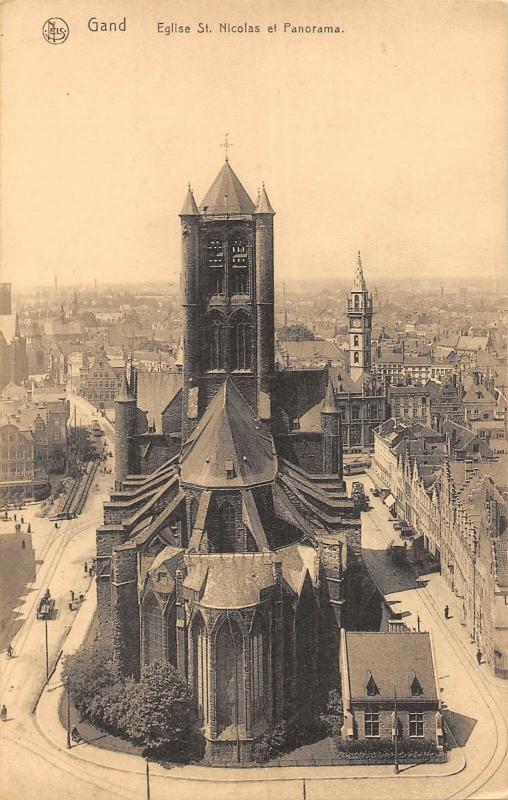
x=55, y=30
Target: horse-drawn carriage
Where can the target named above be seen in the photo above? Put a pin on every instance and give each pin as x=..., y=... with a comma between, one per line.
x=45, y=607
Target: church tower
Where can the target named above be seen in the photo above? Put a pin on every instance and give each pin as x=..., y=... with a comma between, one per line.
x=227, y=297
x=359, y=312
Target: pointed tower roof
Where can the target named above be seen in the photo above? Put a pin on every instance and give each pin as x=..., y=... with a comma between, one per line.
x=124, y=395
x=359, y=284
x=229, y=448
x=329, y=406
x=263, y=204
x=190, y=208
x=227, y=195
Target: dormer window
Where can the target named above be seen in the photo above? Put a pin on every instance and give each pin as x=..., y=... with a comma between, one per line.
x=230, y=470
x=416, y=687
x=371, y=687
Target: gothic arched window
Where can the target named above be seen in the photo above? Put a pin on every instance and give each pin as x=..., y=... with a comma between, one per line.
x=230, y=704
x=217, y=344
x=152, y=631
x=171, y=634
x=356, y=358
x=357, y=301
x=215, y=263
x=200, y=654
x=241, y=343
x=258, y=645
x=222, y=529
x=356, y=341
x=239, y=265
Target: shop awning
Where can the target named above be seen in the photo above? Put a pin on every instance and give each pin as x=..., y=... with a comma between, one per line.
x=389, y=500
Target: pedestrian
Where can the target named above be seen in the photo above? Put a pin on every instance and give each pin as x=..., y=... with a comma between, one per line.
x=22, y=544
x=56, y=525
x=10, y=651
x=3, y=713
x=479, y=656
x=86, y=566
x=72, y=595
x=22, y=520
x=446, y=612
x=29, y=529
x=15, y=518
x=75, y=735
x=81, y=597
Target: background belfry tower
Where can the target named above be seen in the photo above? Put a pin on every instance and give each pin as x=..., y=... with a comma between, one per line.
x=359, y=312
x=227, y=296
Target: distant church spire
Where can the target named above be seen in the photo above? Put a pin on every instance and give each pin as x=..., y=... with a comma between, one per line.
x=359, y=284
x=359, y=312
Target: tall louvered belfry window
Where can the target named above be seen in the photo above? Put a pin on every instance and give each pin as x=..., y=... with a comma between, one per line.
x=239, y=266
x=215, y=264
x=217, y=344
x=241, y=343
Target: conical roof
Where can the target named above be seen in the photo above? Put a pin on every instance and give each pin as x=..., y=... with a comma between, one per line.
x=229, y=448
x=329, y=406
x=124, y=395
x=190, y=208
x=263, y=205
x=227, y=195
x=359, y=284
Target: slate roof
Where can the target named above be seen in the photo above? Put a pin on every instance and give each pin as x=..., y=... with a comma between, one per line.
x=155, y=391
x=237, y=580
x=228, y=434
x=263, y=205
x=9, y=327
x=393, y=660
x=227, y=195
x=359, y=284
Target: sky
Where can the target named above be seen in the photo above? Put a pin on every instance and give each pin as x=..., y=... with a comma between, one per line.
x=389, y=137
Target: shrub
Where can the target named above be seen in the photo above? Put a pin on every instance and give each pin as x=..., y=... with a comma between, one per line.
x=91, y=676
x=158, y=710
x=333, y=717
x=155, y=713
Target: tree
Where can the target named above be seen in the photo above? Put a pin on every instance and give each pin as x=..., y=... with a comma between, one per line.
x=158, y=714
x=90, y=674
x=296, y=333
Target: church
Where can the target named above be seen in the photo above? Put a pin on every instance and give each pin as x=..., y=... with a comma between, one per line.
x=230, y=547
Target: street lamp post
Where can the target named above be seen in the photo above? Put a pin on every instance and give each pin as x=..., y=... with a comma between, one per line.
x=46, y=641
x=475, y=548
x=68, y=714
x=147, y=779
x=396, y=732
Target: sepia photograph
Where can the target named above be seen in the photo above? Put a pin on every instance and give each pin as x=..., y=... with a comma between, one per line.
x=253, y=400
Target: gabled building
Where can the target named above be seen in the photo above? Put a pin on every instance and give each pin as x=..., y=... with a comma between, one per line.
x=389, y=687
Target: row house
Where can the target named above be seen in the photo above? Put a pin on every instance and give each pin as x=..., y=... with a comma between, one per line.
x=460, y=517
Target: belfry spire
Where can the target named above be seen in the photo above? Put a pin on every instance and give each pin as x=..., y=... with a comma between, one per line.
x=359, y=284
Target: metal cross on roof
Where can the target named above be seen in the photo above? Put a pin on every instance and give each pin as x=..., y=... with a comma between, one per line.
x=226, y=145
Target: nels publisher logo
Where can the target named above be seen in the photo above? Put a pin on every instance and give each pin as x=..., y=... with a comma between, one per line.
x=55, y=30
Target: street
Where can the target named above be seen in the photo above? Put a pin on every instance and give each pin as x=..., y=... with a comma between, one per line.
x=34, y=758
